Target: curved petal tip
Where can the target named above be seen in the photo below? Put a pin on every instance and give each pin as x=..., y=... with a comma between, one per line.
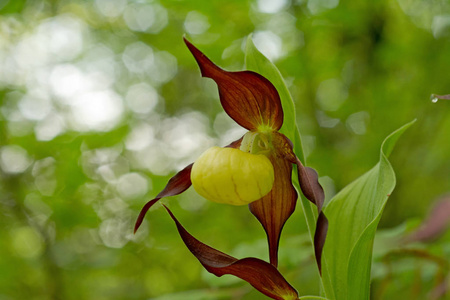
x=247, y=97
x=261, y=275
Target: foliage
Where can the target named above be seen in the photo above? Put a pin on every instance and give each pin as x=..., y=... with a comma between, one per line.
x=354, y=215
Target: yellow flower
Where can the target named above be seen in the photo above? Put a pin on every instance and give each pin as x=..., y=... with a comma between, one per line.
x=232, y=176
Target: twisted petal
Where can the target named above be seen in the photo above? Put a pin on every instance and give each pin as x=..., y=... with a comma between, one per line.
x=261, y=275
x=313, y=191
x=176, y=185
x=247, y=97
x=274, y=209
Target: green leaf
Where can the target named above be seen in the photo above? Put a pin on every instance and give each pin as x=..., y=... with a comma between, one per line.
x=354, y=214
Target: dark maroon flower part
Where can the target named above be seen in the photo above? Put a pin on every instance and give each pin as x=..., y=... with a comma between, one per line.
x=254, y=103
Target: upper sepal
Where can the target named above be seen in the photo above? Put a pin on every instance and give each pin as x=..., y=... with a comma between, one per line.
x=247, y=97
x=261, y=275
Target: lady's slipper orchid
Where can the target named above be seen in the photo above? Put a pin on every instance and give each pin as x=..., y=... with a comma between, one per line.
x=254, y=170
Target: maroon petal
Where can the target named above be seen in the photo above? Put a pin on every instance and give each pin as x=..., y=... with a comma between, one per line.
x=176, y=185
x=313, y=191
x=311, y=188
x=261, y=275
x=247, y=97
x=274, y=209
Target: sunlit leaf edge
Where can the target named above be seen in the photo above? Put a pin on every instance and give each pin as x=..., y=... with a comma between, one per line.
x=363, y=246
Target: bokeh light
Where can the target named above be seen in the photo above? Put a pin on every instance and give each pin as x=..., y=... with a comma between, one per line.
x=101, y=103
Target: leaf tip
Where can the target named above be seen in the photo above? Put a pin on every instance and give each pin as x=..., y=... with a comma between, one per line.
x=388, y=144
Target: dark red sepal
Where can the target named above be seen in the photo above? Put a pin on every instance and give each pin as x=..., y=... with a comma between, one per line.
x=247, y=97
x=261, y=275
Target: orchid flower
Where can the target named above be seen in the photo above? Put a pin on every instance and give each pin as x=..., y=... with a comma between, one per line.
x=255, y=170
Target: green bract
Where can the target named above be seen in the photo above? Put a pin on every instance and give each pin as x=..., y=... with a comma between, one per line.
x=232, y=176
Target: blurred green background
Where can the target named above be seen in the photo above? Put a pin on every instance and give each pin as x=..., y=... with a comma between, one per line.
x=101, y=102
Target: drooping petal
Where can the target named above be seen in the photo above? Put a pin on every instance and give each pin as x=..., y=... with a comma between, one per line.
x=247, y=97
x=274, y=209
x=311, y=188
x=313, y=191
x=176, y=185
x=261, y=275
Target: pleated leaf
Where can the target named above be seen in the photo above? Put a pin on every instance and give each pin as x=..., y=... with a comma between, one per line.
x=354, y=214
